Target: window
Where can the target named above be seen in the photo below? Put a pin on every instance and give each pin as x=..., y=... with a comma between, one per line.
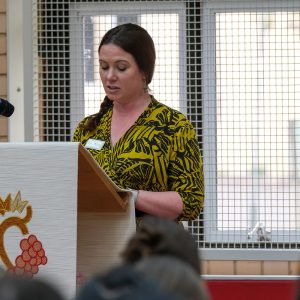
x=251, y=108
x=66, y=35
x=233, y=67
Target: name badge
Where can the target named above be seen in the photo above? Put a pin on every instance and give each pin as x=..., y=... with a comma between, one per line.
x=94, y=144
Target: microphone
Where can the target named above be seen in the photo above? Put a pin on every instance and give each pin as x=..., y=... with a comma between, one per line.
x=6, y=109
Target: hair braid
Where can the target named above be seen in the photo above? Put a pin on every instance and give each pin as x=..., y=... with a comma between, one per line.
x=94, y=120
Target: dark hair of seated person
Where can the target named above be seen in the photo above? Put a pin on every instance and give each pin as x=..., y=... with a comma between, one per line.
x=173, y=275
x=20, y=288
x=122, y=283
x=159, y=236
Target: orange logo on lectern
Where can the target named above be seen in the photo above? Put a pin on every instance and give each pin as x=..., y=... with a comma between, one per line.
x=32, y=255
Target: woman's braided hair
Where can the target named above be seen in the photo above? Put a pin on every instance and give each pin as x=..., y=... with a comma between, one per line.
x=94, y=120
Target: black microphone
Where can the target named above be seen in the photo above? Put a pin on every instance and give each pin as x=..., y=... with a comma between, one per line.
x=6, y=109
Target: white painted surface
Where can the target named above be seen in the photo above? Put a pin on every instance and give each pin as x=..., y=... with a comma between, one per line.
x=46, y=176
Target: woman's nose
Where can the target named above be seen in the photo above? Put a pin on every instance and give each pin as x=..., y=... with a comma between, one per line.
x=111, y=74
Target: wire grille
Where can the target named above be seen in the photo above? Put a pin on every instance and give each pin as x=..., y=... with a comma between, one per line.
x=233, y=67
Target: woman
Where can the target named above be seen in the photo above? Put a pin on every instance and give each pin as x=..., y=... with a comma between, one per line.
x=141, y=143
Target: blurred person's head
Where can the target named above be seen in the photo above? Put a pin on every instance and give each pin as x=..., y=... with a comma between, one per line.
x=122, y=283
x=159, y=236
x=173, y=275
x=20, y=288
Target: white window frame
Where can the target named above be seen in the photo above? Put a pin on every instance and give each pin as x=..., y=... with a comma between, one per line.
x=19, y=69
x=212, y=235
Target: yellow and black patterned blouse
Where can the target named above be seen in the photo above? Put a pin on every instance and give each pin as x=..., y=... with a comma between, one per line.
x=159, y=152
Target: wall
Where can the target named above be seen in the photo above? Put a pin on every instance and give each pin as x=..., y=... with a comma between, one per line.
x=3, y=69
x=238, y=267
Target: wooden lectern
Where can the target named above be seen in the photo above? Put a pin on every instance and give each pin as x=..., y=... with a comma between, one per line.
x=60, y=214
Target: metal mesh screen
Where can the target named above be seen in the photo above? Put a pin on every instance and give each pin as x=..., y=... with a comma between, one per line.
x=233, y=67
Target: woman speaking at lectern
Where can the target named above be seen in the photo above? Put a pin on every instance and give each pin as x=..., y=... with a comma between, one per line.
x=141, y=143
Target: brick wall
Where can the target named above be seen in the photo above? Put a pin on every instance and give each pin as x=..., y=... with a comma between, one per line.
x=3, y=68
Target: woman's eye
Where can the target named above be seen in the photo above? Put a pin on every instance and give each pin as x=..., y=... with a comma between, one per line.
x=103, y=67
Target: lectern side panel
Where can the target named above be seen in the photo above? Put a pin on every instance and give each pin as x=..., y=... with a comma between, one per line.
x=101, y=238
x=96, y=191
x=39, y=211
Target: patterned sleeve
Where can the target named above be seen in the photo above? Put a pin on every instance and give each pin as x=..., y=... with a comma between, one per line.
x=186, y=171
x=77, y=135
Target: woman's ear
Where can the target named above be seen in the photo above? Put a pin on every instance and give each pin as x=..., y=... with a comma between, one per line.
x=144, y=77
x=145, y=82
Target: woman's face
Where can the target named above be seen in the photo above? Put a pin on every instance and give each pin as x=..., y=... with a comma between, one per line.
x=120, y=75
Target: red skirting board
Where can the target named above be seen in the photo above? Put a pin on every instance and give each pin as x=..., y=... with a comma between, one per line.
x=252, y=289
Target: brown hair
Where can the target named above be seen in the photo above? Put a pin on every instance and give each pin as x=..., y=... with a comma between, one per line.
x=135, y=40
x=159, y=236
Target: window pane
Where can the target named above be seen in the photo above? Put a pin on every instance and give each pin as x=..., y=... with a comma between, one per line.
x=257, y=107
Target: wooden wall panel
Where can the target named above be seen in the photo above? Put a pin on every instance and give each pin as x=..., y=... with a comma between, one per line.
x=220, y=267
x=294, y=268
x=3, y=126
x=275, y=267
x=3, y=85
x=3, y=65
x=3, y=68
x=3, y=129
x=2, y=43
x=248, y=267
x=244, y=267
x=2, y=5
